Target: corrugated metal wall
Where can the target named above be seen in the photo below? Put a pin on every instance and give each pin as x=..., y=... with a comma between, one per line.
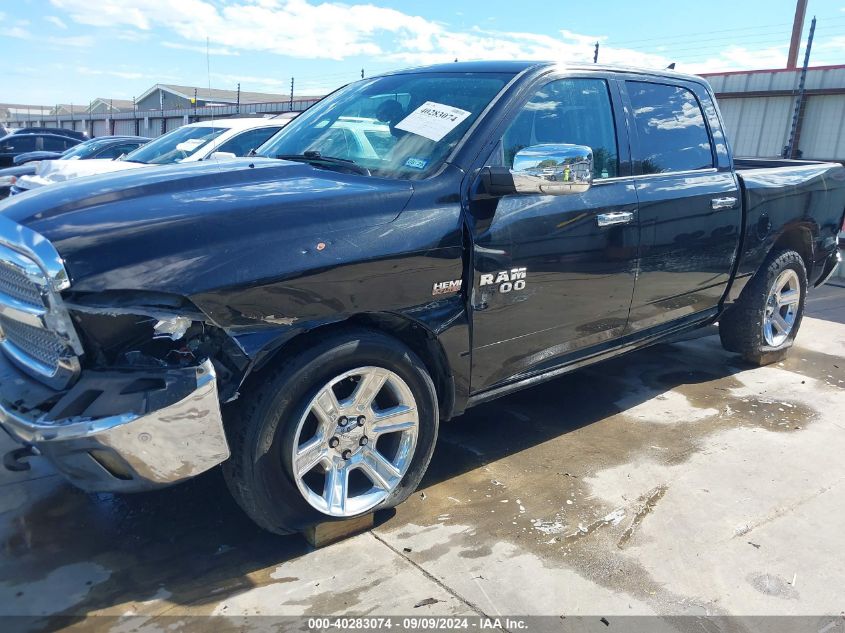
x=821, y=133
x=757, y=126
x=101, y=127
x=126, y=127
x=821, y=78
x=758, y=107
x=150, y=121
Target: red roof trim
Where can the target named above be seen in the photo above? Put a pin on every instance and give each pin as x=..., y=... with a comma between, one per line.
x=771, y=70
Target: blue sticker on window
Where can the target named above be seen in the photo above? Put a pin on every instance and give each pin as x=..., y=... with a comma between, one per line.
x=416, y=163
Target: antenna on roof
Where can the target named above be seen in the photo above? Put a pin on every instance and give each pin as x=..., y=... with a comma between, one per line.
x=208, y=71
x=671, y=66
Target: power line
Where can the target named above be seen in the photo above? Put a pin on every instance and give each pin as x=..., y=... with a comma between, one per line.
x=756, y=29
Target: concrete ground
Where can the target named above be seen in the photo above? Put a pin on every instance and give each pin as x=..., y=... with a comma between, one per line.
x=673, y=481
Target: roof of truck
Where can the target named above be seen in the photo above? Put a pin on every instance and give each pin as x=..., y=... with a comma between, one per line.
x=517, y=66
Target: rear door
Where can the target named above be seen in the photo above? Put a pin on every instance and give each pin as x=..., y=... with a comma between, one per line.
x=551, y=278
x=16, y=144
x=689, y=204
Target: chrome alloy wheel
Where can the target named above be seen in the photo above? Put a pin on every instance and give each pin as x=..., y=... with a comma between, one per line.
x=355, y=441
x=781, y=308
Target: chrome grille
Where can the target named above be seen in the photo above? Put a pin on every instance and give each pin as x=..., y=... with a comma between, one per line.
x=36, y=332
x=15, y=284
x=43, y=345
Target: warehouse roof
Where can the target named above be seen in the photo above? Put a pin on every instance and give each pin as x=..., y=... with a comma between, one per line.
x=119, y=105
x=219, y=96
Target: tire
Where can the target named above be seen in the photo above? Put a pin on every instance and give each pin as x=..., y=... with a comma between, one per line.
x=747, y=327
x=275, y=418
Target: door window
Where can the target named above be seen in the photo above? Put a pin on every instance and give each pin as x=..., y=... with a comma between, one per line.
x=20, y=143
x=671, y=134
x=57, y=144
x=243, y=143
x=116, y=151
x=568, y=111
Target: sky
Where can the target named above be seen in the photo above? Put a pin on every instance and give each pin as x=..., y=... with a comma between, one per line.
x=72, y=51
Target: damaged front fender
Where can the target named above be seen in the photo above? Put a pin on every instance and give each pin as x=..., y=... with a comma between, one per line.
x=148, y=330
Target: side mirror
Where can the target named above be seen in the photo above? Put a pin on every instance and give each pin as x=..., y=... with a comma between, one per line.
x=553, y=169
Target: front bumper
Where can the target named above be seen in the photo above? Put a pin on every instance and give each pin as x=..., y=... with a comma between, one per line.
x=121, y=431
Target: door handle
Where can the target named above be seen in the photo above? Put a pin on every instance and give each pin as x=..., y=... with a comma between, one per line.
x=718, y=204
x=615, y=217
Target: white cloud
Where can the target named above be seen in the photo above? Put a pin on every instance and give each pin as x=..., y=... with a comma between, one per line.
x=199, y=48
x=335, y=30
x=15, y=31
x=55, y=21
x=75, y=41
x=121, y=74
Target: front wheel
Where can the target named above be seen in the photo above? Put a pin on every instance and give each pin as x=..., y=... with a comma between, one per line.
x=762, y=324
x=344, y=428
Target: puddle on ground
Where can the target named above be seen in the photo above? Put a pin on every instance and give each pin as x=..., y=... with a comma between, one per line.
x=523, y=479
x=515, y=470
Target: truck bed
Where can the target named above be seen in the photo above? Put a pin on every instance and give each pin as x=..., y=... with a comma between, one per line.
x=778, y=195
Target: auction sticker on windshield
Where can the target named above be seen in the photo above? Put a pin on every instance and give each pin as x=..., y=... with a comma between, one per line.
x=433, y=120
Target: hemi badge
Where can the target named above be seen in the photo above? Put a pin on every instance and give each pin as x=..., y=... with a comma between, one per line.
x=447, y=287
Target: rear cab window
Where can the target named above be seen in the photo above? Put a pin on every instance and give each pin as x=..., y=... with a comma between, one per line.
x=671, y=133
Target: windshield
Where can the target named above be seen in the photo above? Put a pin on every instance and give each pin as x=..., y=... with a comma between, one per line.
x=400, y=126
x=86, y=149
x=175, y=146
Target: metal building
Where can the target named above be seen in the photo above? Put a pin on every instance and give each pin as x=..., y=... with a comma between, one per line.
x=173, y=97
x=758, y=106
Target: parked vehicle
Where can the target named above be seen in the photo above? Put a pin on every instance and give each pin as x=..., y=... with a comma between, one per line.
x=13, y=145
x=309, y=321
x=59, y=131
x=108, y=147
x=114, y=146
x=228, y=138
x=10, y=175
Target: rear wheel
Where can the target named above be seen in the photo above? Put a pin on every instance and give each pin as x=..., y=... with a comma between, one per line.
x=343, y=428
x=762, y=324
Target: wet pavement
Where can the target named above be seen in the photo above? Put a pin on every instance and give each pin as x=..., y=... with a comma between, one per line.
x=675, y=480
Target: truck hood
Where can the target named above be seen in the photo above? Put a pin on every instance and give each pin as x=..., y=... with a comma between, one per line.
x=49, y=172
x=197, y=227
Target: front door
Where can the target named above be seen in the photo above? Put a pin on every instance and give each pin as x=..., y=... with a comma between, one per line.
x=549, y=279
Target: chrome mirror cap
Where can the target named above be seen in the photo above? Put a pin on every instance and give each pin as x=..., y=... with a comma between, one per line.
x=553, y=169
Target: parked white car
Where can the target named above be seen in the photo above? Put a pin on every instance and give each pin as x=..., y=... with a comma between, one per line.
x=220, y=139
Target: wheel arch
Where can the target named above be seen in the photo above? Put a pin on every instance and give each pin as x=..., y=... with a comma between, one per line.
x=799, y=238
x=415, y=335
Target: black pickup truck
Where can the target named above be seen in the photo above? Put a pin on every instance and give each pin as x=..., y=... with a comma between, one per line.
x=412, y=245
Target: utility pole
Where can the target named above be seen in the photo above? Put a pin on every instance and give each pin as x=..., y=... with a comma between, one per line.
x=596, y=54
x=291, y=94
x=795, y=131
x=135, y=117
x=238, y=102
x=161, y=110
x=111, y=117
x=797, y=29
